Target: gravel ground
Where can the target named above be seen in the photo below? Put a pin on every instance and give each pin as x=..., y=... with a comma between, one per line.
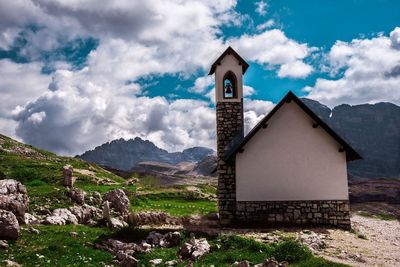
x=380, y=248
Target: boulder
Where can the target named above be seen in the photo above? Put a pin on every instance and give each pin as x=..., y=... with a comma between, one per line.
x=67, y=179
x=14, y=198
x=115, y=223
x=194, y=249
x=9, y=226
x=30, y=219
x=170, y=239
x=61, y=217
x=86, y=214
x=77, y=195
x=118, y=200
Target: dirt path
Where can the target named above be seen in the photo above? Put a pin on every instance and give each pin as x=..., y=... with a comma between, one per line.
x=380, y=248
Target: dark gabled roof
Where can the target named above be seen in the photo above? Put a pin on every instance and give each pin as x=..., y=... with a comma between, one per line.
x=351, y=154
x=229, y=51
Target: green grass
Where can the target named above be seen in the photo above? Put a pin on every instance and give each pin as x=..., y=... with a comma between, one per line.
x=55, y=247
x=90, y=187
x=53, y=196
x=228, y=249
x=174, y=203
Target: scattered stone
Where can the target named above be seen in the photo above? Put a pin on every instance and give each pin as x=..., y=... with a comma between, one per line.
x=115, y=223
x=14, y=198
x=242, y=264
x=68, y=180
x=155, y=262
x=34, y=231
x=61, y=217
x=77, y=195
x=113, y=246
x=126, y=260
x=118, y=200
x=171, y=263
x=73, y=234
x=154, y=239
x=3, y=244
x=10, y=263
x=170, y=239
x=194, y=249
x=144, y=246
x=9, y=226
x=122, y=251
x=30, y=219
x=314, y=241
x=273, y=263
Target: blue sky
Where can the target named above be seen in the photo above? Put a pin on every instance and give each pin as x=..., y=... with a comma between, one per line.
x=82, y=74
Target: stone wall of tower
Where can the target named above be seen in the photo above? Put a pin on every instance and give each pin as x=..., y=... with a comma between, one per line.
x=229, y=126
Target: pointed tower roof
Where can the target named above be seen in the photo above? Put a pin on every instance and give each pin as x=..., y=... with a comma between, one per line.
x=229, y=51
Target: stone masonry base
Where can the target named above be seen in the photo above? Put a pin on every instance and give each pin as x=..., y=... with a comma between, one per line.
x=327, y=212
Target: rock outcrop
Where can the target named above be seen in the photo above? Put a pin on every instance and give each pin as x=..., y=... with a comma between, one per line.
x=194, y=249
x=118, y=200
x=9, y=226
x=61, y=217
x=14, y=198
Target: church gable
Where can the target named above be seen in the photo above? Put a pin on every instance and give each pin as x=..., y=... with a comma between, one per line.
x=291, y=160
x=315, y=122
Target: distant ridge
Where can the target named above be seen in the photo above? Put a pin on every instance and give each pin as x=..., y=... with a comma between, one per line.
x=124, y=154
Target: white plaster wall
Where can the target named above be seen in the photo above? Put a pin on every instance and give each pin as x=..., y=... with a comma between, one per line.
x=291, y=160
x=228, y=63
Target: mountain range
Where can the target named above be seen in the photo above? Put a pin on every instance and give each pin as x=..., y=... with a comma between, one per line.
x=126, y=154
x=371, y=129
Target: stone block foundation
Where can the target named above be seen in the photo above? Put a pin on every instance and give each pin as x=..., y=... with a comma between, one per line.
x=313, y=212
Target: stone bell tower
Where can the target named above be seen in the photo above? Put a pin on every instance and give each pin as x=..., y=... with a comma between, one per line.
x=229, y=69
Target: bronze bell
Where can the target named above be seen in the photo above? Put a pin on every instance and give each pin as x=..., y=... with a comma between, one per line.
x=228, y=89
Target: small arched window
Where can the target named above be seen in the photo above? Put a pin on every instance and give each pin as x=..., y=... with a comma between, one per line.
x=229, y=85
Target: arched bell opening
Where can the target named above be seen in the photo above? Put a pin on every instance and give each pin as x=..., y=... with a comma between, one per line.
x=229, y=85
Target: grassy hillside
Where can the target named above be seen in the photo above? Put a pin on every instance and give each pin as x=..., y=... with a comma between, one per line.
x=41, y=171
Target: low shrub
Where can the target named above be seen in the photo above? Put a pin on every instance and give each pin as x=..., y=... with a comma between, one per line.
x=291, y=251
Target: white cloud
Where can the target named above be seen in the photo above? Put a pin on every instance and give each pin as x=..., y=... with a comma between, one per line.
x=201, y=84
x=254, y=111
x=74, y=110
x=261, y=7
x=371, y=72
x=273, y=48
x=79, y=113
x=296, y=69
x=266, y=25
x=19, y=84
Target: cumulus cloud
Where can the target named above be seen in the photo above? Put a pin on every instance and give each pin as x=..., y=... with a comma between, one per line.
x=71, y=110
x=274, y=48
x=20, y=83
x=78, y=114
x=261, y=7
x=370, y=72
